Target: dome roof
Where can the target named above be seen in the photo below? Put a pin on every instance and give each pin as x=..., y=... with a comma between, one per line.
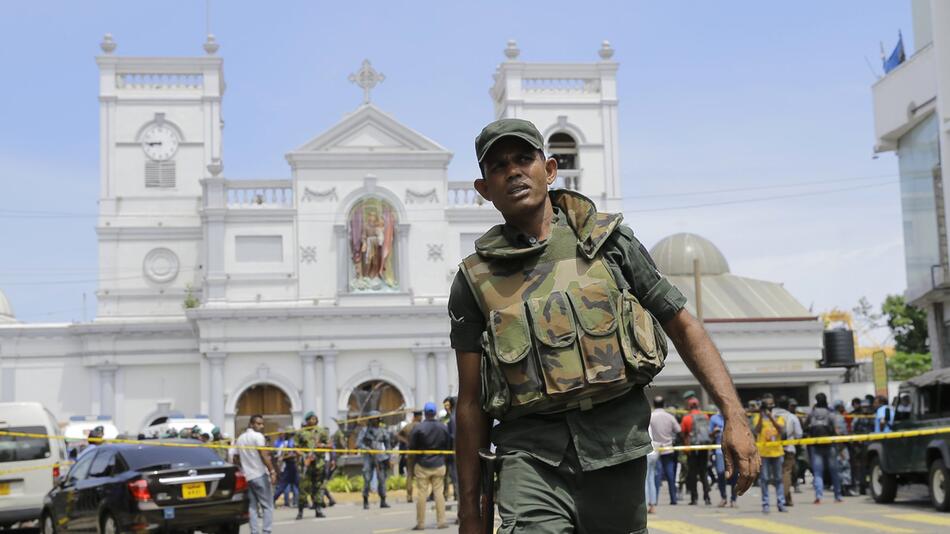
x=6, y=311
x=674, y=255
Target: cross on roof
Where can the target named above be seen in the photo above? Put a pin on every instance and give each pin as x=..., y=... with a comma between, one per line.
x=367, y=78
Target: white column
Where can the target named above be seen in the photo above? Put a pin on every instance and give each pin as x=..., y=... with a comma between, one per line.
x=441, y=375
x=309, y=363
x=216, y=386
x=107, y=390
x=422, y=378
x=329, y=389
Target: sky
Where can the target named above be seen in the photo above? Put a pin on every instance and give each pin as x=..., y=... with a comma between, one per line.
x=749, y=123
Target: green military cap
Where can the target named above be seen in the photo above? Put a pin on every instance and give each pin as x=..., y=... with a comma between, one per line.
x=689, y=394
x=308, y=415
x=504, y=128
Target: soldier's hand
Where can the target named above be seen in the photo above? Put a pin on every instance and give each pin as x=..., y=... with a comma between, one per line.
x=740, y=454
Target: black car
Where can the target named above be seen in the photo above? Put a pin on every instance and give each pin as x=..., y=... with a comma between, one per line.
x=136, y=488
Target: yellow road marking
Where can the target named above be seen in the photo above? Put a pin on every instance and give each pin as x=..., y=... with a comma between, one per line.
x=870, y=525
x=929, y=519
x=764, y=525
x=677, y=527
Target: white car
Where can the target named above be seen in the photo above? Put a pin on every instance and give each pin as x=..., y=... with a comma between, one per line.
x=77, y=430
x=160, y=426
x=29, y=466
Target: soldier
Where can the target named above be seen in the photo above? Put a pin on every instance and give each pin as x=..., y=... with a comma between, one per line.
x=374, y=437
x=403, y=437
x=311, y=466
x=570, y=305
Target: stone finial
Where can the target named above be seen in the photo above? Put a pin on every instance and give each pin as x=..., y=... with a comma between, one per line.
x=211, y=45
x=215, y=167
x=512, y=51
x=107, y=45
x=606, y=51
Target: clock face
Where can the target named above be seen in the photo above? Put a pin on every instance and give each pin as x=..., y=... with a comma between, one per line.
x=160, y=142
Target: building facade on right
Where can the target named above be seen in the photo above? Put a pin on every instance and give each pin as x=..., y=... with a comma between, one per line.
x=912, y=118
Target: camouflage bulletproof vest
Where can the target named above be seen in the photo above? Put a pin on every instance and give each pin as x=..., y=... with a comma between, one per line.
x=560, y=332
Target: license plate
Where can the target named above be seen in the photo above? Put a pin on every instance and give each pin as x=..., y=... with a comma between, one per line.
x=4, y=488
x=195, y=490
x=169, y=513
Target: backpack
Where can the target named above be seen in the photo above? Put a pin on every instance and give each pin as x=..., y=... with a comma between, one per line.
x=699, y=433
x=820, y=423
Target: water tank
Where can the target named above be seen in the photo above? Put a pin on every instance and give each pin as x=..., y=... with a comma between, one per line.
x=839, y=348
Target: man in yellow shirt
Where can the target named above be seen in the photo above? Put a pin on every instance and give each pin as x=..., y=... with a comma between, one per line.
x=768, y=430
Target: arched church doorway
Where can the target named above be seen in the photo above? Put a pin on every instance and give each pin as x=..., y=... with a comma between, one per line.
x=372, y=395
x=267, y=400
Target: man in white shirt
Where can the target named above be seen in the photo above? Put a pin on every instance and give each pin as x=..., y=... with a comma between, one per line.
x=664, y=428
x=260, y=475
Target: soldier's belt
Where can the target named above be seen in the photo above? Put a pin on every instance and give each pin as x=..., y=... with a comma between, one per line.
x=827, y=440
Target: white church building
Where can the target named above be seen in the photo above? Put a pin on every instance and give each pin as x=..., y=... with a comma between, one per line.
x=327, y=290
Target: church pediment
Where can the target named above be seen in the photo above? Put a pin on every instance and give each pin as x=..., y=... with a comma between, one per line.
x=369, y=130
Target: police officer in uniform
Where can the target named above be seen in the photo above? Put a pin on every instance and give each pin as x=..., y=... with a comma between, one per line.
x=562, y=307
x=374, y=437
x=311, y=466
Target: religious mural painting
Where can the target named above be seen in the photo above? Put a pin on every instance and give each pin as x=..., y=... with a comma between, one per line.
x=372, y=237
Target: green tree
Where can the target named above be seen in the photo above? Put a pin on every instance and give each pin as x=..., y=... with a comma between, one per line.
x=904, y=365
x=908, y=324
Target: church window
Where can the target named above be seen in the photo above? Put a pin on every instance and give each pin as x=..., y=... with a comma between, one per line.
x=159, y=174
x=372, y=230
x=563, y=148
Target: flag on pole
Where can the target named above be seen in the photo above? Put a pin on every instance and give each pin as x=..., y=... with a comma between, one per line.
x=897, y=56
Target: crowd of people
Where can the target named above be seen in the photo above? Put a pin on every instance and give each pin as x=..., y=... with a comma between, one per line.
x=840, y=467
x=301, y=477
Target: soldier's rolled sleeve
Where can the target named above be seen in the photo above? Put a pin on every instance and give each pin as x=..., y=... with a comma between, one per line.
x=466, y=317
x=651, y=288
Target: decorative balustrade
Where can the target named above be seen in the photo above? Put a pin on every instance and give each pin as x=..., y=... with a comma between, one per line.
x=259, y=194
x=463, y=195
x=567, y=179
x=561, y=85
x=168, y=81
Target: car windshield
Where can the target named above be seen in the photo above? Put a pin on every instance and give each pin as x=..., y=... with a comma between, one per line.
x=150, y=457
x=19, y=449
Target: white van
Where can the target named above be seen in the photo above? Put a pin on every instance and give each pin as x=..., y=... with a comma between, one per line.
x=29, y=466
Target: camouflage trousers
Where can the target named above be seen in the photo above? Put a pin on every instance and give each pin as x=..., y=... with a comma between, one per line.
x=313, y=482
x=538, y=498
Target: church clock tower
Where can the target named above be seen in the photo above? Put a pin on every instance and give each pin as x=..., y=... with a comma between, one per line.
x=159, y=129
x=574, y=105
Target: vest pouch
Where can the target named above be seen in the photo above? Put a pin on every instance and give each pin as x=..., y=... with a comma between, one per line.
x=596, y=308
x=511, y=346
x=552, y=322
x=495, y=396
x=646, y=354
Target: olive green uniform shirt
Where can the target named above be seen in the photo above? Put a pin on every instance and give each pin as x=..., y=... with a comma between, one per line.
x=612, y=432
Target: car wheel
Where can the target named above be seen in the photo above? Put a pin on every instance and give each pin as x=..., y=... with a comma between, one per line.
x=230, y=528
x=883, y=485
x=938, y=483
x=48, y=525
x=107, y=525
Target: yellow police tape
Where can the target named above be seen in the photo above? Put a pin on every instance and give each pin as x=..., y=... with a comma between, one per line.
x=33, y=468
x=196, y=445
x=158, y=443
x=827, y=440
